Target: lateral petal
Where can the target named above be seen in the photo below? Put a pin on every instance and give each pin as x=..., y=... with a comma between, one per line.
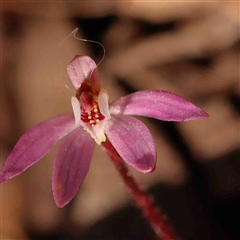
x=76, y=110
x=71, y=165
x=133, y=141
x=103, y=103
x=158, y=104
x=36, y=143
x=83, y=68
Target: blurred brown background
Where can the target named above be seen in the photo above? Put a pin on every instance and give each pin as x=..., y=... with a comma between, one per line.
x=190, y=48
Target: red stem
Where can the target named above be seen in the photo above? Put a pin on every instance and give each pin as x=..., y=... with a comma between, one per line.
x=145, y=203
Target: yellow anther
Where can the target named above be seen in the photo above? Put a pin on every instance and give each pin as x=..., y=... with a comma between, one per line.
x=92, y=125
x=96, y=116
x=91, y=121
x=97, y=120
x=95, y=110
x=89, y=117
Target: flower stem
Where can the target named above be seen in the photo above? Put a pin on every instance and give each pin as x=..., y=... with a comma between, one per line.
x=151, y=213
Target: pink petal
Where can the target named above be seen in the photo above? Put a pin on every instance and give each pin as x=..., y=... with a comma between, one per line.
x=157, y=104
x=133, y=141
x=36, y=143
x=83, y=68
x=71, y=165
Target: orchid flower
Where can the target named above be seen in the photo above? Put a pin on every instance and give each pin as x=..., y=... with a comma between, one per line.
x=93, y=120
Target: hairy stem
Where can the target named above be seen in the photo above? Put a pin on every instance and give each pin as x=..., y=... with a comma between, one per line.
x=152, y=214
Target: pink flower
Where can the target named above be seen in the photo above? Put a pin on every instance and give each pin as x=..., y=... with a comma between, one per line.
x=95, y=119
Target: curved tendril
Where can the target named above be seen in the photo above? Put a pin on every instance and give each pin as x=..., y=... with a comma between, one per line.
x=74, y=32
